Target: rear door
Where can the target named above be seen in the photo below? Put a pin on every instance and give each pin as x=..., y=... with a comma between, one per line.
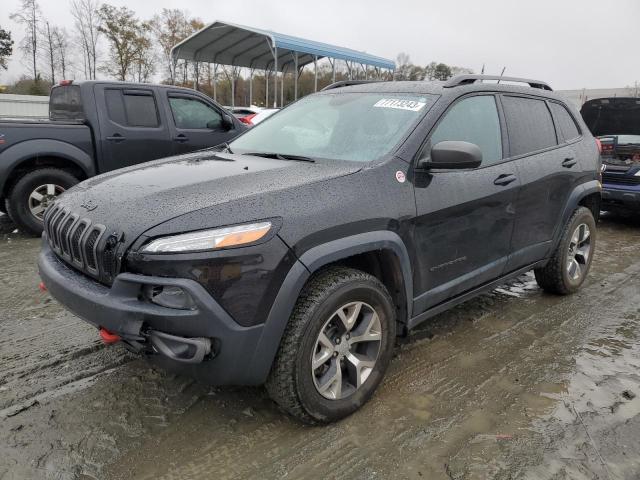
x=132, y=128
x=196, y=123
x=465, y=218
x=547, y=166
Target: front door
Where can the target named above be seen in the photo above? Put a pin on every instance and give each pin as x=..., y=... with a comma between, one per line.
x=197, y=124
x=465, y=218
x=132, y=129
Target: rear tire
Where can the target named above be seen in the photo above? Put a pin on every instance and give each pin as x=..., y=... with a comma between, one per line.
x=31, y=188
x=570, y=263
x=323, y=370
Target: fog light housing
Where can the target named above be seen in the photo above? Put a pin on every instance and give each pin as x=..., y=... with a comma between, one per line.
x=169, y=296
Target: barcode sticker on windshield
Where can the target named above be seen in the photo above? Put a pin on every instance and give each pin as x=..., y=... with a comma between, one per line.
x=400, y=104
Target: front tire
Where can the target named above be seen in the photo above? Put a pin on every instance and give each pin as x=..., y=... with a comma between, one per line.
x=31, y=195
x=568, y=267
x=336, y=347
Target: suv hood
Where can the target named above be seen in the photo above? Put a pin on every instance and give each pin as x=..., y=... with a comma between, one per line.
x=612, y=116
x=135, y=199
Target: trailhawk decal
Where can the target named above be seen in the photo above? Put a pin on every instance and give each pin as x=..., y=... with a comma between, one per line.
x=400, y=104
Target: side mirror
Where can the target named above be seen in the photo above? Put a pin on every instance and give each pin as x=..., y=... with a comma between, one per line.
x=453, y=155
x=227, y=122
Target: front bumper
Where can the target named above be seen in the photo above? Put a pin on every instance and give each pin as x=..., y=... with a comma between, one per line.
x=122, y=310
x=621, y=196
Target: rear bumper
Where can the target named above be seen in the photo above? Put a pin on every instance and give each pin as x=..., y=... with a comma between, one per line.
x=121, y=309
x=621, y=196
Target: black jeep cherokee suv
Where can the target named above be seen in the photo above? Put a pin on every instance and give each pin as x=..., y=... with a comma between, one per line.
x=294, y=255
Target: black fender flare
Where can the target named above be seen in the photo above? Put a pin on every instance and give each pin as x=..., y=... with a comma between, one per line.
x=13, y=156
x=308, y=263
x=576, y=196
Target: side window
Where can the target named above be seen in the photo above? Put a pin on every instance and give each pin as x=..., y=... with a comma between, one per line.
x=191, y=113
x=132, y=108
x=529, y=125
x=565, y=122
x=474, y=120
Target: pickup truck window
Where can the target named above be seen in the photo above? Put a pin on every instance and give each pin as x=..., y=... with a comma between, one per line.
x=132, y=108
x=191, y=113
x=65, y=103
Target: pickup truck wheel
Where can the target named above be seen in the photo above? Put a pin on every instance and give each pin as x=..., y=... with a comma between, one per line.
x=336, y=347
x=31, y=195
x=569, y=265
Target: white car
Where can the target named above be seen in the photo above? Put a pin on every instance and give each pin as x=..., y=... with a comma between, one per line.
x=260, y=116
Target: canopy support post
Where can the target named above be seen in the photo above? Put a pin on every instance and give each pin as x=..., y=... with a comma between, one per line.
x=250, y=86
x=266, y=88
x=297, y=74
x=233, y=87
x=315, y=73
x=282, y=88
x=215, y=82
x=333, y=71
x=275, y=77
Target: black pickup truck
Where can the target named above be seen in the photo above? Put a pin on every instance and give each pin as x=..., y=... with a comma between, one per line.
x=95, y=127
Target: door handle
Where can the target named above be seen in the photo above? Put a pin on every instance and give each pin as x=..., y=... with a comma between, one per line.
x=181, y=138
x=569, y=162
x=505, y=179
x=116, y=137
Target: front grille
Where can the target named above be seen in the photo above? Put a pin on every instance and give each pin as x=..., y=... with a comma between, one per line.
x=620, y=179
x=78, y=242
x=89, y=249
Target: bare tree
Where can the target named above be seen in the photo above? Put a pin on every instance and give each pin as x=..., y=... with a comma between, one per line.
x=49, y=49
x=169, y=28
x=61, y=41
x=30, y=16
x=87, y=22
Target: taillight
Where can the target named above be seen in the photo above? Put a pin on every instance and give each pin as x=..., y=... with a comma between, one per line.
x=599, y=144
x=65, y=83
x=247, y=119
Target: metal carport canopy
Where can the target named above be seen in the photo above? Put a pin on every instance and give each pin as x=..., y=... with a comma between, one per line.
x=230, y=44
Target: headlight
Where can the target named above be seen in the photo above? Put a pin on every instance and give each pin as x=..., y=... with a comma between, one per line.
x=637, y=174
x=209, y=239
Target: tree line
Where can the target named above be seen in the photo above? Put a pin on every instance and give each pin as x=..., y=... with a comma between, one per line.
x=113, y=42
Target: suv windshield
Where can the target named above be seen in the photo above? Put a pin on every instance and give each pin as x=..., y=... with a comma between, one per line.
x=343, y=126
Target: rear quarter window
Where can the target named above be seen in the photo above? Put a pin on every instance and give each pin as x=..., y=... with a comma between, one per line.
x=529, y=124
x=567, y=127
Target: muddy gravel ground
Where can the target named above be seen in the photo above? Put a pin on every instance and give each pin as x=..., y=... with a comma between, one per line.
x=513, y=384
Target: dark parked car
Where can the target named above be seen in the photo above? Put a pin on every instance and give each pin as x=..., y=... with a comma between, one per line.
x=295, y=255
x=616, y=123
x=95, y=127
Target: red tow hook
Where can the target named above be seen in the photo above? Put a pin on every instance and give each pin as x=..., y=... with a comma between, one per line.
x=108, y=337
x=42, y=287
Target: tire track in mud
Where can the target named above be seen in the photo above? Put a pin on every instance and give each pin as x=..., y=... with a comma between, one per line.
x=438, y=398
x=442, y=403
x=42, y=347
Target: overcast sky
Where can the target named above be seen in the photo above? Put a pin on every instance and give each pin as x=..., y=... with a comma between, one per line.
x=569, y=43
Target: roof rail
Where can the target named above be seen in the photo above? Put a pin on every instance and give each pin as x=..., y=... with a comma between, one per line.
x=468, y=79
x=348, y=83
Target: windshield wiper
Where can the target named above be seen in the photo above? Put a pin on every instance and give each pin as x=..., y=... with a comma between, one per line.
x=281, y=156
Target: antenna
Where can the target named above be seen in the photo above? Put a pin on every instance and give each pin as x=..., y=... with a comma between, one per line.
x=502, y=73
